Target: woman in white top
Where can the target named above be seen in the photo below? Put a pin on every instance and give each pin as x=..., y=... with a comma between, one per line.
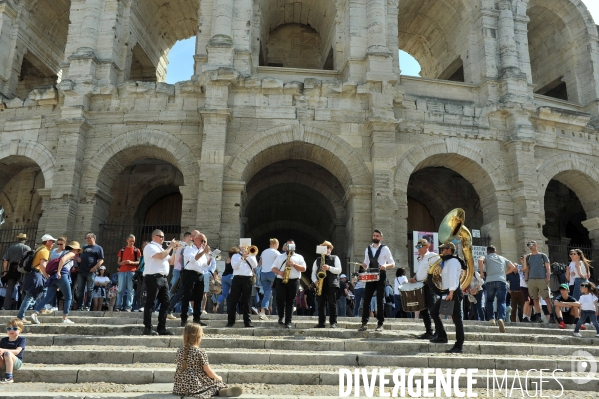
x=400, y=279
x=588, y=307
x=101, y=280
x=579, y=270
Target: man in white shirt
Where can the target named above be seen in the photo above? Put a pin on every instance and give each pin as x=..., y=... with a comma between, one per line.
x=286, y=292
x=156, y=269
x=241, y=288
x=376, y=256
x=425, y=259
x=267, y=277
x=450, y=281
x=177, y=267
x=330, y=285
x=192, y=277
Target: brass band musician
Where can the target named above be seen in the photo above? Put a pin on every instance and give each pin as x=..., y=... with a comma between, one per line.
x=243, y=264
x=288, y=267
x=330, y=285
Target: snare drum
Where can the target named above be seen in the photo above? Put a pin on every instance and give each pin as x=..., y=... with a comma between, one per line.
x=412, y=297
x=370, y=275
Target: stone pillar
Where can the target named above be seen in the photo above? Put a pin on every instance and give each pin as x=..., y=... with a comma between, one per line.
x=230, y=227
x=507, y=43
x=242, y=36
x=61, y=210
x=592, y=225
x=221, y=48
x=358, y=202
x=203, y=36
x=44, y=193
x=7, y=48
x=379, y=59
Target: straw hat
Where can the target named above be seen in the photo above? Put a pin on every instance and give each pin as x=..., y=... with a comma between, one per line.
x=74, y=245
x=327, y=244
x=22, y=236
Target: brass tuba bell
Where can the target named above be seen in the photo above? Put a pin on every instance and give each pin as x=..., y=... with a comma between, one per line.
x=452, y=227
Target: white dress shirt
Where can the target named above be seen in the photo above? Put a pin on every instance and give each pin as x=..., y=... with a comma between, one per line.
x=189, y=255
x=384, y=258
x=424, y=265
x=268, y=257
x=450, y=276
x=333, y=269
x=153, y=265
x=295, y=258
x=241, y=267
x=399, y=281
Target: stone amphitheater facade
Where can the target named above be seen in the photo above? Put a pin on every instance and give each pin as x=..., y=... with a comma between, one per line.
x=297, y=118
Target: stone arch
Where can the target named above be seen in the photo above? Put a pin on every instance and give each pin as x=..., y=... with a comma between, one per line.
x=35, y=152
x=300, y=142
x=578, y=173
x=486, y=175
x=167, y=147
x=280, y=225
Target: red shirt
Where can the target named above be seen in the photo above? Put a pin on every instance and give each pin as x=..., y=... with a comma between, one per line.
x=128, y=254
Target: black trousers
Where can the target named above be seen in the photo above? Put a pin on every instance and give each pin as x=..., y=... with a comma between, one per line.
x=369, y=290
x=429, y=299
x=456, y=317
x=193, y=290
x=286, y=297
x=241, y=290
x=156, y=287
x=329, y=295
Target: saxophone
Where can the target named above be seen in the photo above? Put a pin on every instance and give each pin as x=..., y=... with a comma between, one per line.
x=287, y=267
x=321, y=276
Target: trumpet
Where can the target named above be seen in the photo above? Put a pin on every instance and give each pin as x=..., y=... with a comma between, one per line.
x=168, y=243
x=251, y=250
x=321, y=276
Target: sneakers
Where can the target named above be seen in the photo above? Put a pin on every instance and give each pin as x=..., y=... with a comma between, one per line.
x=492, y=322
x=577, y=335
x=501, y=326
x=67, y=321
x=5, y=380
x=141, y=310
x=262, y=316
x=25, y=321
x=230, y=392
x=379, y=328
x=254, y=310
x=34, y=319
x=363, y=328
x=539, y=320
x=562, y=325
x=204, y=313
x=583, y=327
x=171, y=316
x=45, y=311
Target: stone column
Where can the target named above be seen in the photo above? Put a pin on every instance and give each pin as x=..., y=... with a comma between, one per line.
x=358, y=202
x=379, y=58
x=592, y=225
x=230, y=227
x=44, y=193
x=221, y=47
x=507, y=43
x=242, y=36
x=8, y=78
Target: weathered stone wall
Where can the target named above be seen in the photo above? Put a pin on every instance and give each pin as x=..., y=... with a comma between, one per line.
x=294, y=46
x=365, y=128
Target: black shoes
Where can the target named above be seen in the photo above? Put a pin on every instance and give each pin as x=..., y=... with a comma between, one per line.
x=439, y=340
x=334, y=325
x=288, y=325
x=455, y=349
x=363, y=328
x=321, y=326
x=229, y=325
x=200, y=323
x=249, y=325
x=165, y=332
x=379, y=328
x=149, y=331
x=183, y=323
x=281, y=321
x=426, y=335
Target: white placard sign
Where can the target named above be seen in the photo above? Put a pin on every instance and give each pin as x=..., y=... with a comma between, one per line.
x=321, y=249
x=476, y=233
x=245, y=242
x=477, y=252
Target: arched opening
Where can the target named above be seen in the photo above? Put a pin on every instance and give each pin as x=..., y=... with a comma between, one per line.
x=297, y=34
x=409, y=65
x=180, y=61
x=295, y=199
x=20, y=181
x=156, y=26
x=436, y=34
x=557, y=42
x=41, y=44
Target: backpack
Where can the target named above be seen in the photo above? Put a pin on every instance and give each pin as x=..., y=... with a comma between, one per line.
x=558, y=268
x=135, y=252
x=554, y=283
x=26, y=263
x=52, y=266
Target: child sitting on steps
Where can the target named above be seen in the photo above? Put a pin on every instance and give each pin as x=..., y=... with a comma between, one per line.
x=194, y=376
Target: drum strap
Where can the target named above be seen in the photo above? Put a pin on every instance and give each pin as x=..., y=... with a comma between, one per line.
x=375, y=257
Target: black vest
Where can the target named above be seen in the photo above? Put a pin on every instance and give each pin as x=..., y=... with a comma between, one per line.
x=332, y=279
x=375, y=264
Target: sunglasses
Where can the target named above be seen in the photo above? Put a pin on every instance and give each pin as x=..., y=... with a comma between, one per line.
x=12, y=328
x=573, y=253
x=419, y=246
x=160, y=237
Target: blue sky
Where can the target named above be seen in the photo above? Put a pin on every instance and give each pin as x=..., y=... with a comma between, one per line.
x=180, y=65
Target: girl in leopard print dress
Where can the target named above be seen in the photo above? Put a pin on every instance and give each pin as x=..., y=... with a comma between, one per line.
x=194, y=376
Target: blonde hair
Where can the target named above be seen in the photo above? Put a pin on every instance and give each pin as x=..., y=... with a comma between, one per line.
x=16, y=322
x=192, y=335
x=274, y=241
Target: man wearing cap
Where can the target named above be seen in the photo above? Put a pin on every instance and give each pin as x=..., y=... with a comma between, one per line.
x=567, y=308
x=425, y=260
x=10, y=261
x=90, y=260
x=330, y=285
x=286, y=292
x=376, y=256
x=450, y=281
x=537, y=274
x=33, y=283
x=496, y=267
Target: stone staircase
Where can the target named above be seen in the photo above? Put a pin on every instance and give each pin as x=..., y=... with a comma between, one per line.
x=105, y=355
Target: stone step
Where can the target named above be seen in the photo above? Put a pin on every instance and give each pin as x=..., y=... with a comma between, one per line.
x=118, y=374
x=303, y=358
